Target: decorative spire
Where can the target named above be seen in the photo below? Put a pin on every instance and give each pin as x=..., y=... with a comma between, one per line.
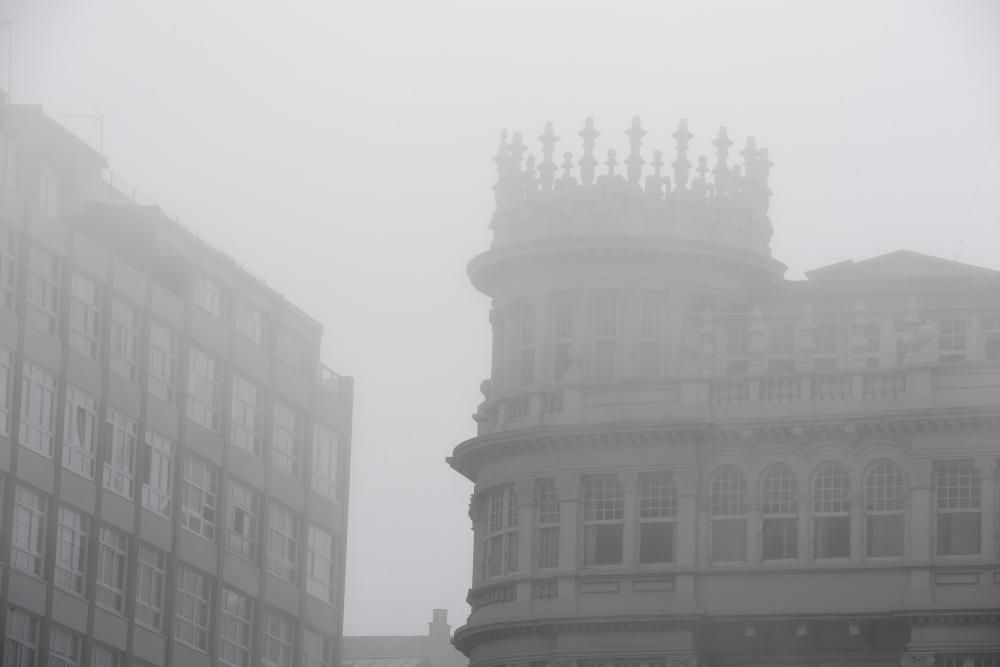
x=502, y=159
x=721, y=171
x=750, y=155
x=547, y=168
x=588, y=163
x=681, y=165
x=762, y=167
x=611, y=162
x=654, y=182
x=516, y=152
x=634, y=160
x=699, y=186
x=530, y=178
x=567, y=167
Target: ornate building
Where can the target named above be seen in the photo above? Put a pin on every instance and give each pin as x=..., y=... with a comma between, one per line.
x=683, y=457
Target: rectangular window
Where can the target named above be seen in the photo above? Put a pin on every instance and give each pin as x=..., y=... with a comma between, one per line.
x=65, y=648
x=989, y=328
x=562, y=335
x=43, y=292
x=207, y=295
x=244, y=431
x=827, y=338
x=103, y=656
x=526, y=346
x=605, y=322
x=831, y=512
x=780, y=348
x=80, y=432
x=6, y=389
x=548, y=522
x=157, y=481
x=198, y=497
x=241, y=520
x=8, y=268
x=657, y=518
x=38, y=409
x=112, y=559
x=885, y=497
x=316, y=650
x=119, y=455
x=84, y=316
x=204, y=390
x=652, y=330
x=727, y=508
x=603, y=517
x=235, y=629
x=326, y=461
x=162, y=376
x=71, y=550
x=874, y=351
x=21, y=647
x=321, y=575
x=737, y=349
x=291, y=350
x=250, y=322
x=27, y=540
x=286, y=447
x=953, y=340
x=149, y=584
x=192, y=607
x=779, y=513
x=282, y=542
x=279, y=640
x=502, y=532
x=49, y=191
x=124, y=339
x=957, y=489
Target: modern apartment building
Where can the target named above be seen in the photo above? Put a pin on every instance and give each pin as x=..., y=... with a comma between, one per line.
x=684, y=457
x=173, y=457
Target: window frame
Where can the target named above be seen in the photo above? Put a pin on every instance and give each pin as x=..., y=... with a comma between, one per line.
x=158, y=473
x=246, y=418
x=193, y=608
x=235, y=628
x=37, y=429
x=111, y=579
x=204, y=401
x=30, y=513
x=85, y=315
x=283, y=541
x=603, y=518
x=72, y=533
x=161, y=376
x=79, y=453
x=884, y=502
x=321, y=564
x=243, y=508
x=779, y=509
x=150, y=587
x=727, y=506
x=831, y=506
x=549, y=512
x=120, y=447
x=965, y=499
x=287, y=439
x=199, y=497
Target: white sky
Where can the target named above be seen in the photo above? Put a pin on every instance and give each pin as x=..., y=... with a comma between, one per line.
x=341, y=150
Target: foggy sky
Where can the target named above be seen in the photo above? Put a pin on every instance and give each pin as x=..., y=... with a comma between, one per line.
x=341, y=150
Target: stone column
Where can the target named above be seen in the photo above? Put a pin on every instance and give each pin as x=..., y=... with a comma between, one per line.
x=687, y=517
x=987, y=468
x=525, y=491
x=630, y=529
x=568, y=487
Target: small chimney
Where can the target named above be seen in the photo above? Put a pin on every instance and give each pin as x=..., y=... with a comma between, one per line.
x=438, y=629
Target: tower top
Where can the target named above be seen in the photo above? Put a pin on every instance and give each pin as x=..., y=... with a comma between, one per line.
x=728, y=209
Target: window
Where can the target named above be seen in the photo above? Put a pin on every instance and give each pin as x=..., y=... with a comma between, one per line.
x=657, y=518
x=207, y=295
x=250, y=322
x=779, y=509
x=149, y=584
x=316, y=650
x=112, y=557
x=884, y=496
x=547, y=504
x=953, y=340
x=831, y=511
x=737, y=349
x=80, y=436
x=102, y=656
x=326, y=461
x=728, y=514
x=119, y=456
x=38, y=409
x=501, y=540
x=21, y=647
x=957, y=488
x=198, y=496
x=162, y=376
x=603, y=516
x=71, y=550
x=241, y=520
x=84, y=316
x=158, y=478
x=27, y=541
x=874, y=350
x=204, y=390
x=124, y=339
x=235, y=627
x=8, y=268
x=605, y=320
x=245, y=429
x=781, y=348
x=49, y=191
x=990, y=329
x=287, y=444
x=64, y=647
x=562, y=335
x=6, y=389
x=321, y=574
x=652, y=329
x=43, y=292
x=526, y=346
x=282, y=542
x=291, y=350
x=827, y=336
x=193, y=606
x=279, y=640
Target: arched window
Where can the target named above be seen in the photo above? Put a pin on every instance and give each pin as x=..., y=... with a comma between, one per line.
x=957, y=488
x=779, y=513
x=831, y=511
x=727, y=498
x=884, y=496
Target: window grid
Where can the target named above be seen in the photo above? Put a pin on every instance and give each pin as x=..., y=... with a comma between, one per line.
x=119, y=457
x=38, y=409
x=150, y=579
x=603, y=499
x=320, y=565
x=657, y=496
x=548, y=501
x=157, y=482
x=6, y=389
x=204, y=390
x=326, y=461
x=283, y=542
x=250, y=322
x=778, y=492
x=246, y=417
x=207, y=295
x=112, y=557
x=64, y=647
x=71, y=550
x=43, y=292
x=990, y=333
x=103, y=656
x=562, y=335
x=831, y=489
x=193, y=608
x=547, y=496
x=286, y=447
x=198, y=497
x=8, y=267
x=84, y=315
x=953, y=339
x=728, y=493
x=316, y=650
x=22, y=638
x=162, y=374
x=501, y=532
x=124, y=339
x=884, y=488
x=235, y=628
x=279, y=640
x=242, y=512
x=957, y=486
x=80, y=432
x=291, y=350
x=28, y=538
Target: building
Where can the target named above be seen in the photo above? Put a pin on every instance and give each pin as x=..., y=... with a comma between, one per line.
x=173, y=457
x=685, y=458
x=431, y=650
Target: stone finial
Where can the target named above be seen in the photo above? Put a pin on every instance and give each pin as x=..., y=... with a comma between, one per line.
x=611, y=162
x=530, y=176
x=634, y=160
x=654, y=182
x=501, y=190
x=681, y=165
x=762, y=168
x=517, y=149
x=588, y=164
x=721, y=171
x=567, y=167
x=547, y=168
x=750, y=155
x=700, y=185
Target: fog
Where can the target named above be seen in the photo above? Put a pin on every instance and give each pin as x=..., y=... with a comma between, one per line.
x=342, y=151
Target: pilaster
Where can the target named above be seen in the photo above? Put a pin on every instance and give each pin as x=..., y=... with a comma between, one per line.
x=920, y=515
x=686, y=482
x=987, y=468
x=630, y=537
x=524, y=489
x=568, y=487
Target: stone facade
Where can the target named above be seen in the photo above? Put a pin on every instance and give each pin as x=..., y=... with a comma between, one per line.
x=683, y=457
